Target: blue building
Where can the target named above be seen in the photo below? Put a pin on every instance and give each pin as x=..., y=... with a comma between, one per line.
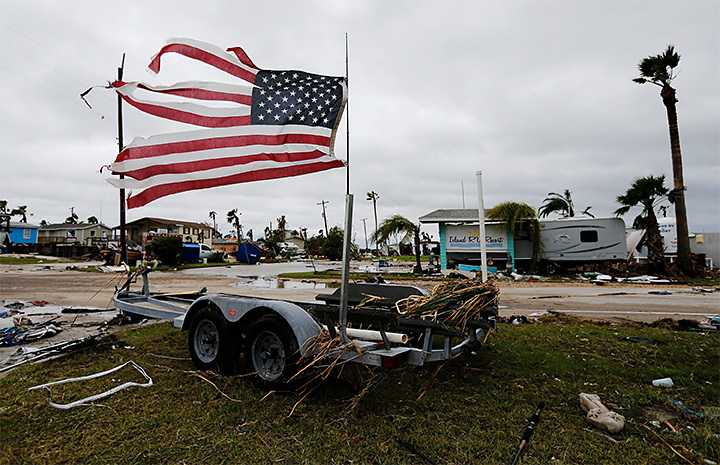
x=23, y=233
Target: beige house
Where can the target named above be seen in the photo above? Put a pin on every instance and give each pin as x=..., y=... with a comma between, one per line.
x=190, y=231
x=80, y=233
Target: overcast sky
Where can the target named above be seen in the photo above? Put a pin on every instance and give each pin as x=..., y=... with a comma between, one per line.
x=538, y=95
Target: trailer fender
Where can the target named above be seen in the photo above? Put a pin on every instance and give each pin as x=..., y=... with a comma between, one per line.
x=246, y=310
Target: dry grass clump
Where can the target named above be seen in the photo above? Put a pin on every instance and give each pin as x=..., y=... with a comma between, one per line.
x=452, y=303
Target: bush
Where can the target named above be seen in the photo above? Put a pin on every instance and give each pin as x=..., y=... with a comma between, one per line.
x=167, y=249
x=217, y=257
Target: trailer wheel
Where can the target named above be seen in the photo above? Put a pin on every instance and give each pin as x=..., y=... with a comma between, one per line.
x=211, y=342
x=551, y=268
x=271, y=352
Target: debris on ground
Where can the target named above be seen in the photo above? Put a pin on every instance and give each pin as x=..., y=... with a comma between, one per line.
x=642, y=339
x=600, y=416
x=663, y=382
x=452, y=303
x=25, y=354
x=702, y=290
x=87, y=400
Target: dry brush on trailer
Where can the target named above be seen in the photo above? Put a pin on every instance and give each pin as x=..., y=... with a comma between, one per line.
x=282, y=341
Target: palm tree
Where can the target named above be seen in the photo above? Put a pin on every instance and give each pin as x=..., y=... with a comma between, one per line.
x=397, y=224
x=648, y=192
x=72, y=219
x=658, y=70
x=233, y=217
x=374, y=196
x=561, y=203
x=20, y=211
x=558, y=203
x=511, y=213
x=212, y=215
x=281, y=227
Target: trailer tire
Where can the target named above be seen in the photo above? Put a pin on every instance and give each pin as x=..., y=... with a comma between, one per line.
x=271, y=353
x=211, y=341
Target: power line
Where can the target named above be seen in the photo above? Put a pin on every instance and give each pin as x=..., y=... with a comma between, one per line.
x=53, y=51
x=77, y=102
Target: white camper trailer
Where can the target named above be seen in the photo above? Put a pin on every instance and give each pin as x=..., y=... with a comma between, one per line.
x=575, y=241
x=566, y=242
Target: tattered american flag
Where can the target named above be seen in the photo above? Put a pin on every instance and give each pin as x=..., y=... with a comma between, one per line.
x=279, y=124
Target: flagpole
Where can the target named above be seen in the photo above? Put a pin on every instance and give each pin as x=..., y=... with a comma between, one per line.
x=347, y=118
x=345, y=277
x=123, y=240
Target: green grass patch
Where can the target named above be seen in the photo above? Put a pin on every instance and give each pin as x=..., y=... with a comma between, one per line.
x=28, y=260
x=470, y=410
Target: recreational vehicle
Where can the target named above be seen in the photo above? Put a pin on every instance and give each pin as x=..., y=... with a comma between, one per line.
x=566, y=242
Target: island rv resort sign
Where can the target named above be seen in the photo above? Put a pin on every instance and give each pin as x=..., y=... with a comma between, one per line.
x=467, y=238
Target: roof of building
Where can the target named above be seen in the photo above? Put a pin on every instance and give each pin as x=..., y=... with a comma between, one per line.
x=184, y=223
x=457, y=215
x=21, y=225
x=61, y=226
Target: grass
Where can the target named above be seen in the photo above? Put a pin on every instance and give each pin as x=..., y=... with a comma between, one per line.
x=470, y=410
x=26, y=260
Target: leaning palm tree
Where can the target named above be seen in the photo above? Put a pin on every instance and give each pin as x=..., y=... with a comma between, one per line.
x=648, y=192
x=20, y=211
x=562, y=204
x=397, y=224
x=233, y=217
x=512, y=213
x=658, y=70
x=555, y=202
x=212, y=214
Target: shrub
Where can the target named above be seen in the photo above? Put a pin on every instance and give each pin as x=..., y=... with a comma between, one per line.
x=167, y=249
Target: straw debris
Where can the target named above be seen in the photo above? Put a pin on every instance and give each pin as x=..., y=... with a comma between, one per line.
x=452, y=303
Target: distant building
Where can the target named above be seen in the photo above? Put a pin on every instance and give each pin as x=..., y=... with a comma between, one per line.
x=79, y=233
x=190, y=231
x=23, y=233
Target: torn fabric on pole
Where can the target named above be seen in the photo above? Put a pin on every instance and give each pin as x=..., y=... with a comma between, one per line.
x=278, y=124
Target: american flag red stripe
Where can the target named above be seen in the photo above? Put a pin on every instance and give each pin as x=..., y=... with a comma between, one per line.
x=156, y=192
x=239, y=65
x=281, y=125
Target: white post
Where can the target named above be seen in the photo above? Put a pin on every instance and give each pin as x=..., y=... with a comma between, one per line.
x=481, y=227
x=345, y=283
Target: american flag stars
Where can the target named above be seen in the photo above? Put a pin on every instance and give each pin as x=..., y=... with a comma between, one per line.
x=296, y=97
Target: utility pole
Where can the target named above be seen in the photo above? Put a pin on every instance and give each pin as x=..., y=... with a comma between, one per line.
x=365, y=228
x=123, y=240
x=323, y=202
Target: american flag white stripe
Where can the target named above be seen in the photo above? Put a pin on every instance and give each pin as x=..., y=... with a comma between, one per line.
x=200, y=90
x=238, y=65
x=186, y=112
x=222, y=172
x=212, y=148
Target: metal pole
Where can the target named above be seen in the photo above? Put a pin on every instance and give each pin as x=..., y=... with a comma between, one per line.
x=344, y=285
x=481, y=227
x=324, y=216
x=123, y=240
x=365, y=229
x=347, y=117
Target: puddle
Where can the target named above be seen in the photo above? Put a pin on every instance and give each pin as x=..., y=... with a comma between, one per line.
x=274, y=283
